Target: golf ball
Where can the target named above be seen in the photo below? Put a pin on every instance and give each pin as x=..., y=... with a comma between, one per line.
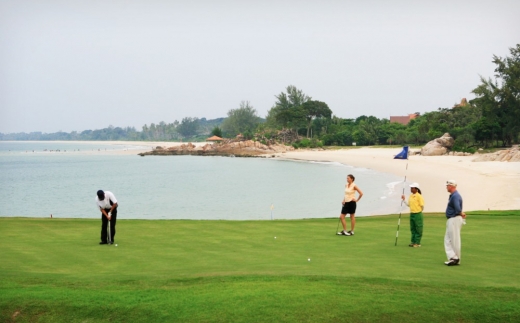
x=309, y=259
x=275, y=237
x=116, y=244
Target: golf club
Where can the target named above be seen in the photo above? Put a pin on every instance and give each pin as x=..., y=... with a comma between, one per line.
x=337, y=227
x=109, y=235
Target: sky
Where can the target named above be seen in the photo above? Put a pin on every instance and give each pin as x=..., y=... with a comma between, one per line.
x=79, y=65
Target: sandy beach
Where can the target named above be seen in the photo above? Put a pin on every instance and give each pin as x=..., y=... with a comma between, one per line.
x=483, y=185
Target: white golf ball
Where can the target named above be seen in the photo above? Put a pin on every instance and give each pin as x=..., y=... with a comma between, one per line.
x=275, y=237
x=116, y=244
x=309, y=259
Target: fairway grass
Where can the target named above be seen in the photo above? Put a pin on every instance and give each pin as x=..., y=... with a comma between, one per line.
x=53, y=270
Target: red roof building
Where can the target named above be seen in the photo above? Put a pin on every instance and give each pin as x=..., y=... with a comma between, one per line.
x=403, y=119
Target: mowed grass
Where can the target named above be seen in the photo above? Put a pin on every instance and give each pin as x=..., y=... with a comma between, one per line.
x=53, y=270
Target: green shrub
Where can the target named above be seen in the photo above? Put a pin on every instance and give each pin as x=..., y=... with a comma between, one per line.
x=305, y=143
x=308, y=143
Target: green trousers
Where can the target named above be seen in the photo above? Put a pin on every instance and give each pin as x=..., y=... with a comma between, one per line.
x=416, y=227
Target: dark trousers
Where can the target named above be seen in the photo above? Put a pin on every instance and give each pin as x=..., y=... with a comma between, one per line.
x=104, y=225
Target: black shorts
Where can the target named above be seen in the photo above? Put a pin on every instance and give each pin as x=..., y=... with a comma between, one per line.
x=349, y=208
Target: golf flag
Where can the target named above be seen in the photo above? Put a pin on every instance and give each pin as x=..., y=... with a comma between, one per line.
x=403, y=154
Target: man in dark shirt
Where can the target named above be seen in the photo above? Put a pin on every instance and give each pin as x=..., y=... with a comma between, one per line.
x=452, y=243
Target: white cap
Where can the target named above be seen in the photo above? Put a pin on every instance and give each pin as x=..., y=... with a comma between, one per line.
x=416, y=185
x=451, y=182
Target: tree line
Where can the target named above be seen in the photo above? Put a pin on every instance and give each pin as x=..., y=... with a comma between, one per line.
x=491, y=119
x=188, y=128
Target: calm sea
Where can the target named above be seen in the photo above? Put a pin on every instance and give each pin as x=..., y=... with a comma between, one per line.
x=43, y=178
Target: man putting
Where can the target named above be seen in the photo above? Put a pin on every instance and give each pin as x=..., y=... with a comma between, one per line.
x=452, y=243
x=107, y=203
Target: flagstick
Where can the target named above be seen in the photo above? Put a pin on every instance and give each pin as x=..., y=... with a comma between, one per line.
x=401, y=209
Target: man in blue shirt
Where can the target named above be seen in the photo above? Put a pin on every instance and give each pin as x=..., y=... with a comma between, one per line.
x=452, y=243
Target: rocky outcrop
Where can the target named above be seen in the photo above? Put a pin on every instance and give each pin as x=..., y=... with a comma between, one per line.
x=247, y=148
x=459, y=153
x=286, y=136
x=439, y=146
x=462, y=103
x=506, y=155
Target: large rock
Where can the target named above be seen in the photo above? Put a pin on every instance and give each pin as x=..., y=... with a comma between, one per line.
x=439, y=146
x=247, y=148
x=506, y=155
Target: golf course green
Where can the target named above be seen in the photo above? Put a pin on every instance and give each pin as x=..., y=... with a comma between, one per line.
x=54, y=270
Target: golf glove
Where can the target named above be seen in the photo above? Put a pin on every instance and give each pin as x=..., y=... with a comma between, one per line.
x=109, y=213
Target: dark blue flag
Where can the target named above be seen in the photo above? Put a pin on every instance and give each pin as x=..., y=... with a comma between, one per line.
x=403, y=154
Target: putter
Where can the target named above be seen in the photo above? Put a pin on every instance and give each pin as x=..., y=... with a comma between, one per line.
x=337, y=227
x=109, y=239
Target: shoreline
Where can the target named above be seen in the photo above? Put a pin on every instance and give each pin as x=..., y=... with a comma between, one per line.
x=491, y=185
x=482, y=185
x=138, y=146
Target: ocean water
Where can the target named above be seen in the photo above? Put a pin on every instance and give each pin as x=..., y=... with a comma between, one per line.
x=43, y=178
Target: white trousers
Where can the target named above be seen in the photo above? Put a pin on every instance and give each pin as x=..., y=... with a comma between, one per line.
x=452, y=243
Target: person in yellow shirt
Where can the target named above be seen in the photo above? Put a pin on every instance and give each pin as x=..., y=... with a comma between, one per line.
x=416, y=204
